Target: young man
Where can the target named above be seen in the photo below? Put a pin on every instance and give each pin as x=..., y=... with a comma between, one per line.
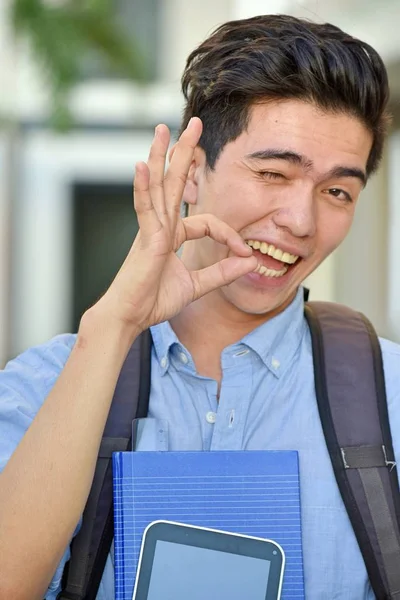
x=284, y=123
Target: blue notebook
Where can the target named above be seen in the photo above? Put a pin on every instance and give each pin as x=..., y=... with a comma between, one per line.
x=251, y=492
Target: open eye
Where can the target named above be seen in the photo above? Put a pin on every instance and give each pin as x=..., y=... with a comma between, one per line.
x=339, y=194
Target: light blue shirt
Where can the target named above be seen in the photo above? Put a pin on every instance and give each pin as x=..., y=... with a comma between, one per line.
x=267, y=402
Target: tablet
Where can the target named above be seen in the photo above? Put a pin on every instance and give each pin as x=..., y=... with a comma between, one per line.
x=181, y=562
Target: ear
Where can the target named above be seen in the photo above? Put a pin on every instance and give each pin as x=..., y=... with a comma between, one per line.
x=191, y=187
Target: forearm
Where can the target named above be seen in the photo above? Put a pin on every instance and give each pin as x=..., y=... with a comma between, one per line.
x=44, y=486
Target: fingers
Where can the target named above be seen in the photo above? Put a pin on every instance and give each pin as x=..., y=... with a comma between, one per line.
x=175, y=178
x=156, y=165
x=199, y=226
x=148, y=220
x=222, y=273
x=158, y=196
x=225, y=271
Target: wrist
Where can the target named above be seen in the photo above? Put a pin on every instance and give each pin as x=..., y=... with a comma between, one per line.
x=97, y=326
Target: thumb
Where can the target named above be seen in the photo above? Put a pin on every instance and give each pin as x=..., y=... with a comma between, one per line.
x=222, y=273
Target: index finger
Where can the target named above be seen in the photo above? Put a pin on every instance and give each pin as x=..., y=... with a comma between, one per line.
x=206, y=225
x=176, y=175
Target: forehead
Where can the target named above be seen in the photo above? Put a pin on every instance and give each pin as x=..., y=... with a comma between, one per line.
x=325, y=138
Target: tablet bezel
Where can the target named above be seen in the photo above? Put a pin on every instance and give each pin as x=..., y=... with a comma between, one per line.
x=213, y=539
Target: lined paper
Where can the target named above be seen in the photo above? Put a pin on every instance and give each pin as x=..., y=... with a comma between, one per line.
x=251, y=492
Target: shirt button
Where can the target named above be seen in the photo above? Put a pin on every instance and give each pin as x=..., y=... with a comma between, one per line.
x=275, y=363
x=183, y=358
x=164, y=362
x=211, y=417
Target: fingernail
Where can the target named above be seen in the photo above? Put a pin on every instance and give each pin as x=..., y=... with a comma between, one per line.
x=156, y=131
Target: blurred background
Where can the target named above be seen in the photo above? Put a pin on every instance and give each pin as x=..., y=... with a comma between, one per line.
x=83, y=83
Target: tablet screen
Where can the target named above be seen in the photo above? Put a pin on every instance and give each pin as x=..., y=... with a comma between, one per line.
x=182, y=572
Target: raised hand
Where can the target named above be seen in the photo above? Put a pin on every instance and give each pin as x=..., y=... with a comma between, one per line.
x=153, y=284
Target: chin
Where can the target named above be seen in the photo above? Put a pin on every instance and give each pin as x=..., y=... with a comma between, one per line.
x=259, y=303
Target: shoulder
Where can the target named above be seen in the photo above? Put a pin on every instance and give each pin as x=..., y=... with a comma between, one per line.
x=391, y=367
x=391, y=360
x=24, y=385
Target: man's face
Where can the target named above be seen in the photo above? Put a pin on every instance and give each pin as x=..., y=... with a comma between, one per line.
x=288, y=185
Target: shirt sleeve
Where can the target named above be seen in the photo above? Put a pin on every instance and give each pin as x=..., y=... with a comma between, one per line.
x=391, y=365
x=25, y=383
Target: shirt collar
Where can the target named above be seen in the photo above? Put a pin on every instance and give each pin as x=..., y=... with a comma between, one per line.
x=276, y=342
x=163, y=338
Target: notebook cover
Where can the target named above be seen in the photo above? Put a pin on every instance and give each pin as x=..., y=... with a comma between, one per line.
x=250, y=492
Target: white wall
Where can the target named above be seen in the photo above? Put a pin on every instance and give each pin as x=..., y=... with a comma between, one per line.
x=6, y=153
x=42, y=274
x=361, y=261
x=244, y=9
x=186, y=25
x=393, y=255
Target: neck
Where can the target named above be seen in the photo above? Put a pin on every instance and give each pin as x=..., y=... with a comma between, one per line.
x=209, y=325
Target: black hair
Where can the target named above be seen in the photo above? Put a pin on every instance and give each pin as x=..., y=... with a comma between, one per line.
x=272, y=57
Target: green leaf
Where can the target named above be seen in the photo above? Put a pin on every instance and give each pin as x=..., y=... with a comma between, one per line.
x=61, y=34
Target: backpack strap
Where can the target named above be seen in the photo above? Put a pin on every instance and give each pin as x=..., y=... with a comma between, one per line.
x=350, y=390
x=90, y=548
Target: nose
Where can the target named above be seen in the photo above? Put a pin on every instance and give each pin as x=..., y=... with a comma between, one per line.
x=297, y=214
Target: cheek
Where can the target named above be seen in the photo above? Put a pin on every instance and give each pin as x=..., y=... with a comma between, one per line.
x=239, y=205
x=333, y=226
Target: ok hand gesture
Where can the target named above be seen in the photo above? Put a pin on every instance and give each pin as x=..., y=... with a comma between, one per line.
x=153, y=284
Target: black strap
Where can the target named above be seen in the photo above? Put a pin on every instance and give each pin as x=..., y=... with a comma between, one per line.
x=90, y=548
x=351, y=397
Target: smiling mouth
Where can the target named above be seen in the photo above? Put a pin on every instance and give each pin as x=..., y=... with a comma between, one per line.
x=272, y=261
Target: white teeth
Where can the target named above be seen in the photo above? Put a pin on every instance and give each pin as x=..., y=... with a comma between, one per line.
x=271, y=250
x=286, y=257
x=262, y=270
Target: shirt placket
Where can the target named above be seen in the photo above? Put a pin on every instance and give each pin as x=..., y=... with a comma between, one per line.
x=234, y=400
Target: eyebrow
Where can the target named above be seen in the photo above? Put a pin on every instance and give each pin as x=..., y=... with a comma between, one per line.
x=340, y=172
x=298, y=159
